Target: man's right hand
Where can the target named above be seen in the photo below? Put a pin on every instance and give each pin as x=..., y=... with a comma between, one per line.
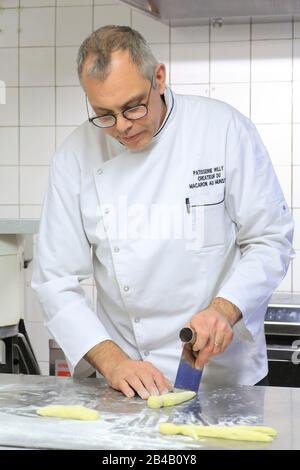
x=127, y=375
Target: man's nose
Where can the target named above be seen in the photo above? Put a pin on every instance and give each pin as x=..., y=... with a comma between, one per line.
x=122, y=123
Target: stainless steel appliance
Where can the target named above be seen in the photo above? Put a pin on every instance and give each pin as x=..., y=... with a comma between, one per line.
x=282, y=329
x=16, y=251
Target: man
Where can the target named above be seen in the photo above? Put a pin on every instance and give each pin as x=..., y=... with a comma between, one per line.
x=144, y=151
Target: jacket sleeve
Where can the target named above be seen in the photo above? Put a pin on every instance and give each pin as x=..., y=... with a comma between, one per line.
x=63, y=260
x=264, y=226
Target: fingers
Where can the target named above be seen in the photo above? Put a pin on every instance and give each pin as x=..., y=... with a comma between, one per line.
x=202, y=338
x=137, y=385
x=141, y=378
x=126, y=389
x=214, y=334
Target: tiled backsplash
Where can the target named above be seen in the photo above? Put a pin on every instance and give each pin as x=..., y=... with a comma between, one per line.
x=254, y=67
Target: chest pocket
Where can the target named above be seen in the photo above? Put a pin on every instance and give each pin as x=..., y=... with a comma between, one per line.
x=207, y=222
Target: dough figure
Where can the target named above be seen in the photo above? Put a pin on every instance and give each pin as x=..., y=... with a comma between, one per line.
x=69, y=412
x=169, y=399
x=238, y=433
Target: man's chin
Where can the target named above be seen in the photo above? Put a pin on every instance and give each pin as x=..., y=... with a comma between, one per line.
x=138, y=143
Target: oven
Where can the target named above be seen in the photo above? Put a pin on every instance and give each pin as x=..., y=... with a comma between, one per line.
x=282, y=330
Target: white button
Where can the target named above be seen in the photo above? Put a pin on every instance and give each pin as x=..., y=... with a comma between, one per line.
x=116, y=249
x=146, y=353
x=107, y=211
x=137, y=320
x=126, y=288
x=99, y=171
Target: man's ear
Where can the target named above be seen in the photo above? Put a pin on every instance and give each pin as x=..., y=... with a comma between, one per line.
x=160, y=78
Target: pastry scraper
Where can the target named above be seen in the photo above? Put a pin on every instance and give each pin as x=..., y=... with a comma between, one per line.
x=188, y=377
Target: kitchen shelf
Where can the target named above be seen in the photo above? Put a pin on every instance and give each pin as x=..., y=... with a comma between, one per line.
x=18, y=226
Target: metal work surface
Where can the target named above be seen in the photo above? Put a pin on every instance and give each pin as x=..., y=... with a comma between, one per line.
x=130, y=424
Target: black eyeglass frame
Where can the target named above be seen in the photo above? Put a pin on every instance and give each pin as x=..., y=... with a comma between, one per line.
x=142, y=105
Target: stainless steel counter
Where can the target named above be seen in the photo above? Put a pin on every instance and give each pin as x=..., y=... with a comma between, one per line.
x=129, y=424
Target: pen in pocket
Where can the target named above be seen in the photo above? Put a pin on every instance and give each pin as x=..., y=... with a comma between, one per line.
x=187, y=203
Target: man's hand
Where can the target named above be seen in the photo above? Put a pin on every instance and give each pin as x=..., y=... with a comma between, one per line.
x=125, y=374
x=138, y=376
x=213, y=328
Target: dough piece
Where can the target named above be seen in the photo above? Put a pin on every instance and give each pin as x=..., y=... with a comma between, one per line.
x=69, y=412
x=169, y=399
x=238, y=433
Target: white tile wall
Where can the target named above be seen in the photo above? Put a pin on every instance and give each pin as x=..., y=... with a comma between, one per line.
x=37, y=66
x=254, y=68
x=152, y=30
x=189, y=63
x=67, y=34
x=111, y=14
x=37, y=145
x=272, y=31
x=271, y=102
x=9, y=65
x=230, y=62
x=278, y=67
x=70, y=106
x=190, y=34
x=33, y=184
x=9, y=212
x=9, y=25
x=9, y=3
x=30, y=212
x=236, y=94
x=191, y=89
x=37, y=3
x=296, y=57
x=278, y=141
x=9, y=193
x=9, y=112
x=296, y=101
x=66, y=71
x=37, y=106
x=230, y=32
x=37, y=26
x=103, y=2
x=9, y=151
x=296, y=144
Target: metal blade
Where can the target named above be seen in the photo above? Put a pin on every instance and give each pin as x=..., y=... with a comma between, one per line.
x=187, y=378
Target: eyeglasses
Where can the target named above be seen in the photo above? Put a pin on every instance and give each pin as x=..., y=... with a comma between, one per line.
x=132, y=113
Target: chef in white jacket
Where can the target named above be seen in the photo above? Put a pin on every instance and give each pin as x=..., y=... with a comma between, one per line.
x=172, y=204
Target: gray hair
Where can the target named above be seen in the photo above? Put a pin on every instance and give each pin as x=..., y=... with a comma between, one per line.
x=102, y=42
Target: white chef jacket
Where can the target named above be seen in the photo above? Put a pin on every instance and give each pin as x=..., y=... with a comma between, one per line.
x=206, y=161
